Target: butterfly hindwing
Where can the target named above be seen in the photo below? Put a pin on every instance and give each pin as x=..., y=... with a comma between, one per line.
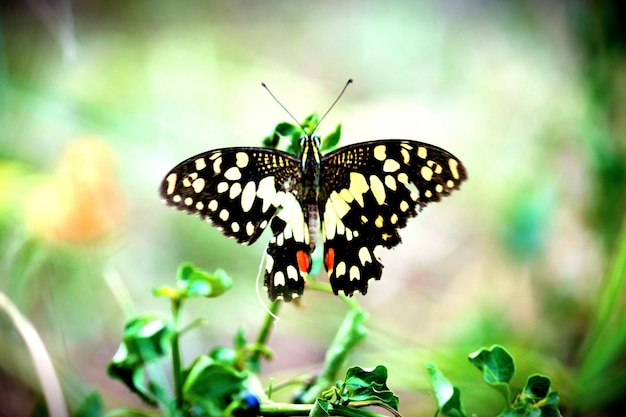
x=368, y=191
x=238, y=189
x=288, y=252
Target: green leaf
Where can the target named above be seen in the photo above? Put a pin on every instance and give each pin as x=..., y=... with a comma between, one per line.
x=146, y=338
x=223, y=355
x=91, y=406
x=448, y=396
x=310, y=122
x=367, y=385
x=330, y=142
x=210, y=387
x=239, y=341
x=320, y=408
x=497, y=366
x=349, y=334
x=198, y=283
x=286, y=129
x=195, y=282
x=537, y=398
x=537, y=387
x=271, y=141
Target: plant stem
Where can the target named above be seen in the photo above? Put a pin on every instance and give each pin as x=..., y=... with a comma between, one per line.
x=264, y=333
x=176, y=359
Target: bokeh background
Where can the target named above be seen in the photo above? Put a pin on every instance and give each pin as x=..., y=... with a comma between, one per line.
x=99, y=99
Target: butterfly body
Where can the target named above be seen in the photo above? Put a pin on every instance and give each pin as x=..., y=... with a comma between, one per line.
x=355, y=199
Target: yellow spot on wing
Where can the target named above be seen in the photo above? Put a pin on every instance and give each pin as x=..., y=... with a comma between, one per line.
x=427, y=173
x=380, y=152
x=339, y=204
x=378, y=189
x=390, y=182
x=454, y=164
x=379, y=222
x=200, y=164
x=358, y=186
x=346, y=195
x=171, y=183
x=406, y=156
x=422, y=152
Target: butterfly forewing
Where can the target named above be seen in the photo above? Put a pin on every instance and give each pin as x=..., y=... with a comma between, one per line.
x=238, y=189
x=368, y=191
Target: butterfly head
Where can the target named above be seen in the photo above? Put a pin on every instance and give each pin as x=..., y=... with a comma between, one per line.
x=310, y=151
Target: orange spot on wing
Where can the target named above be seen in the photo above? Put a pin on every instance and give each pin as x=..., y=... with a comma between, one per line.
x=304, y=262
x=329, y=259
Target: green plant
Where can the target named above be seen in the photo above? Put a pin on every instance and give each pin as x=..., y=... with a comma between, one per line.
x=535, y=399
x=224, y=382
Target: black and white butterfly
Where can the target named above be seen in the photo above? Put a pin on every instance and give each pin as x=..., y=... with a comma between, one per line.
x=356, y=197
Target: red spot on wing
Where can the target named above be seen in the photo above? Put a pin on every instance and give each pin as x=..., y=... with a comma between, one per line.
x=304, y=262
x=329, y=259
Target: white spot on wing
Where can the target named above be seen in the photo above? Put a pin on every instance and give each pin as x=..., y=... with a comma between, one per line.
x=232, y=174
x=391, y=165
x=198, y=185
x=242, y=159
x=354, y=273
x=364, y=256
x=248, y=195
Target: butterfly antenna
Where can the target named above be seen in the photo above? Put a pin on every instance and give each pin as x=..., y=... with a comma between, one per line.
x=281, y=105
x=343, y=90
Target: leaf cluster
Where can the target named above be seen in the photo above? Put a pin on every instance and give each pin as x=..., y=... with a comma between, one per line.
x=536, y=398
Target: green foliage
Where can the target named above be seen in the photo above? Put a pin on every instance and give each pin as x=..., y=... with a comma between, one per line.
x=497, y=367
x=193, y=282
x=601, y=375
x=448, y=396
x=224, y=382
x=146, y=338
x=293, y=134
x=536, y=399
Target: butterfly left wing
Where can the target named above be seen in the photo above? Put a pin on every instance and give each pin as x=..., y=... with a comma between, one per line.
x=237, y=189
x=241, y=191
x=367, y=192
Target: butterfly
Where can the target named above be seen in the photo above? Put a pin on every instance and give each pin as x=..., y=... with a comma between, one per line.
x=355, y=198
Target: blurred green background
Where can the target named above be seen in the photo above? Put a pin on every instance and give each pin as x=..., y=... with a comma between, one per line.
x=99, y=99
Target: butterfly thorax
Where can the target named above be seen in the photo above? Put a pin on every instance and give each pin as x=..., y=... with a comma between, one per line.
x=308, y=188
